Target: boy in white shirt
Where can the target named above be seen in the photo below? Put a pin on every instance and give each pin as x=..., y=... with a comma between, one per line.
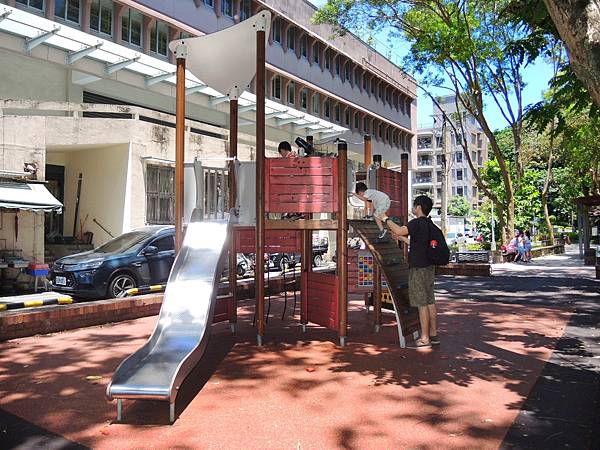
x=378, y=204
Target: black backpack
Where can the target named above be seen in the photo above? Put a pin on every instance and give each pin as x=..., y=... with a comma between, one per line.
x=438, y=253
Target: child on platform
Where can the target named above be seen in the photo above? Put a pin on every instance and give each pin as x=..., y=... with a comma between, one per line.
x=378, y=204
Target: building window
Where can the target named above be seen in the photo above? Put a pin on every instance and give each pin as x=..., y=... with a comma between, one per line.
x=316, y=105
x=67, y=10
x=347, y=117
x=372, y=86
x=209, y=3
x=356, y=121
x=37, y=4
x=327, y=108
x=276, y=87
x=365, y=124
x=160, y=195
x=304, y=99
x=101, y=16
x=291, y=38
x=364, y=82
x=328, y=59
x=337, y=112
x=159, y=37
x=245, y=9
x=459, y=175
x=459, y=191
x=131, y=27
x=337, y=66
x=277, y=30
x=381, y=130
x=304, y=46
x=291, y=93
x=347, y=72
x=317, y=53
x=387, y=135
x=227, y=7
x=458, y=157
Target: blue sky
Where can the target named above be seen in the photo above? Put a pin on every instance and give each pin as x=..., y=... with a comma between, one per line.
x=536, y=77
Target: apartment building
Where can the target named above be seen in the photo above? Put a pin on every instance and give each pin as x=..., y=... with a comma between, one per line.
x=428, y=158
x=87, y=95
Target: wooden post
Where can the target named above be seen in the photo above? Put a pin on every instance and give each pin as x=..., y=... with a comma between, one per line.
x=233, y=150
x=405, y=196
x=179, y=151
x=342, y=245
x=368, y=150
x=306, y=264
x=259, y=270
x=377, y=291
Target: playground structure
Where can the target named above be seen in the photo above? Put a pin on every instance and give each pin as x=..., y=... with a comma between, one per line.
x=255, y=192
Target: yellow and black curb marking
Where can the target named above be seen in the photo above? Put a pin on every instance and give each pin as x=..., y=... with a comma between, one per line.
x=145, y=290
x=64, y=300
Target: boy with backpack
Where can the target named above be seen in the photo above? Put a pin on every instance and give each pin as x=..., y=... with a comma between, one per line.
x=428, y=248
x=378, y=204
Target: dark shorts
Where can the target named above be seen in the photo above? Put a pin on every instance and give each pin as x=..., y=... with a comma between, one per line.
x=420, y=286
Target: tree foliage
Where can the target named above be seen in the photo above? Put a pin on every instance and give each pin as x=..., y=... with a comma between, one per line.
x=469, y=47
x=459, y=206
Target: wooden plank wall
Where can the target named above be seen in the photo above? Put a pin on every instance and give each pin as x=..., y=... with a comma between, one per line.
x=322, y=294
x=390, y=182
x=276, y=241
x=301, y=185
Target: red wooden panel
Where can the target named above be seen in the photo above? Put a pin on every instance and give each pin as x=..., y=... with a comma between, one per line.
x=222, y=309
x=322, y=294
x=301, y=185
x=276, y=241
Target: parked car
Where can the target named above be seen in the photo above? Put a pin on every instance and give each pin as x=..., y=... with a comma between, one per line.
x=141, y=257
x=245, y=265
x=283, y=261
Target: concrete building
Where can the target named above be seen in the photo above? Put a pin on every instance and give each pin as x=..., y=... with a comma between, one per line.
x=427, y=159
x=87, y=93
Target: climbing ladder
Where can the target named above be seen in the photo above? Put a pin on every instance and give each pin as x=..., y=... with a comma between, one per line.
x=395, y=270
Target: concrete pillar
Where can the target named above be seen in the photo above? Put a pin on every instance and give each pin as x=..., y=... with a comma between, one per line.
x=50, y=6
x=237, y=11
x=284, y=35
x=118, y=34
x=86, y=9
x=173, y=34
x=147, y=25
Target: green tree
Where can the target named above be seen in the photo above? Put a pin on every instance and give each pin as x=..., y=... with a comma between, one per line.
x=459, y=206
x=467, y=47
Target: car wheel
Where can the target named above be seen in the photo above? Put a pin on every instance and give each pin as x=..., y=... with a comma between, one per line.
x=120, y=284
x=284, y=264
x=318, y=260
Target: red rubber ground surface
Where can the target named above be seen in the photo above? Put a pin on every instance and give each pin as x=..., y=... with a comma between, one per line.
x=370, y=394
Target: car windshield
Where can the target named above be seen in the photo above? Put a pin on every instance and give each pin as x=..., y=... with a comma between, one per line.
x=123, y=243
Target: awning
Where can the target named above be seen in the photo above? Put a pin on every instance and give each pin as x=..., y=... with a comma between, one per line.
x=27, y=197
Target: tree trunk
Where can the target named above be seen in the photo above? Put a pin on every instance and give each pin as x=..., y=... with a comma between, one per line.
x=578, y=23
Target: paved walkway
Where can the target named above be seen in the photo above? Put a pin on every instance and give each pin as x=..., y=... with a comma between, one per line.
x=518, y=368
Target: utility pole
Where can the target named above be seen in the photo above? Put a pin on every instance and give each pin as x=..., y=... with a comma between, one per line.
x=445, y=174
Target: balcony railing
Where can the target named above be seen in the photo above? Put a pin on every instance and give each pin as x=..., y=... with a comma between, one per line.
x=422, y=180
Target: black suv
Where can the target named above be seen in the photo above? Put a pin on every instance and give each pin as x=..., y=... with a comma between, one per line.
x=141, y=257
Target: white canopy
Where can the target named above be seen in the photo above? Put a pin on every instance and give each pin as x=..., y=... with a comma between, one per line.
x=27, y=197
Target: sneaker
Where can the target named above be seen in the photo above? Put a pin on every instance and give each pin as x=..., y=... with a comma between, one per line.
x=383, y=234
x=435, y=340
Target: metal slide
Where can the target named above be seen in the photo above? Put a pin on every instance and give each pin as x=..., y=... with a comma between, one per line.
x=157, y=369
